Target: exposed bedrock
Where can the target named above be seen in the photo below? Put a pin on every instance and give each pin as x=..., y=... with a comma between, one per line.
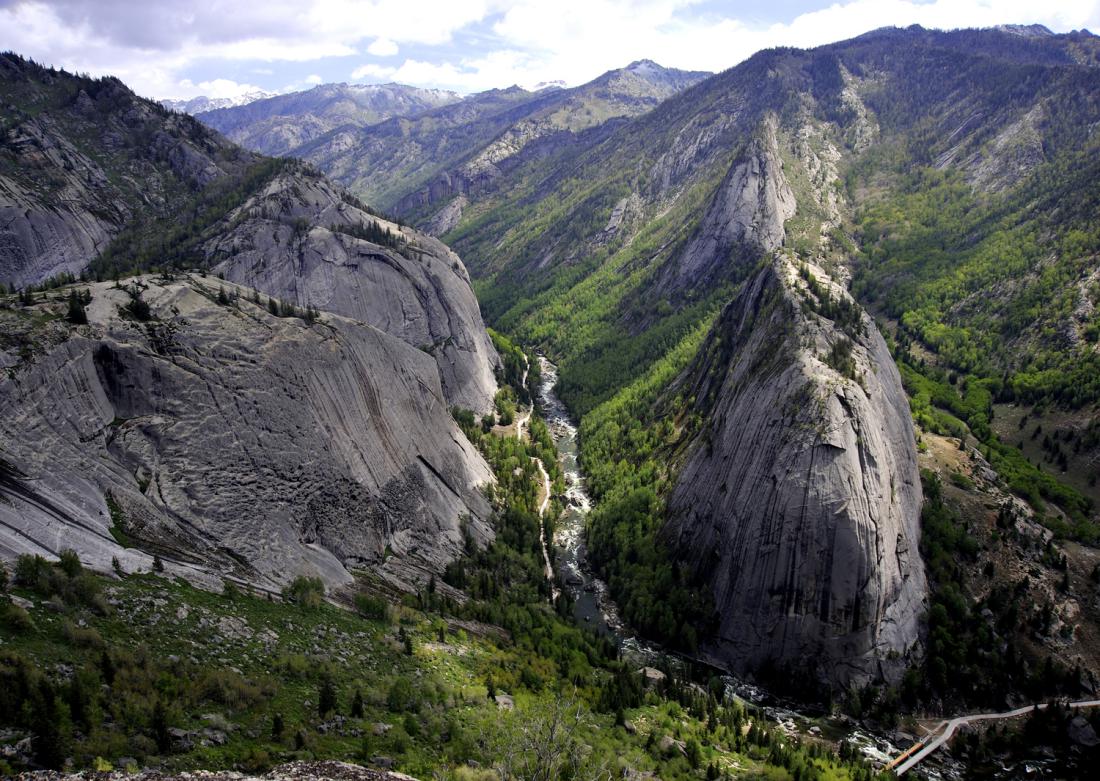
x=799, y=501
x=235, y=442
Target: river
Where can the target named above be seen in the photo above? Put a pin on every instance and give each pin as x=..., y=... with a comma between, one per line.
x=594, y=607
x=592, y=602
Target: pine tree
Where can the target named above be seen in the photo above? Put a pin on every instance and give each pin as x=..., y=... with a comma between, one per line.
x=107, y=667
x=326, y=697
x=76, y=314
x=48, y=740
x=159, y=724
x=78, y=704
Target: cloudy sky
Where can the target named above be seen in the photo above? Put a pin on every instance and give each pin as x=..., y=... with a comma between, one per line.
x=220, y=48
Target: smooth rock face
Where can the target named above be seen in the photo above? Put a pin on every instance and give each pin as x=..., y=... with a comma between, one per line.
x=233, y=441
x=422, y=295
x=747, y=214
x=800, y=500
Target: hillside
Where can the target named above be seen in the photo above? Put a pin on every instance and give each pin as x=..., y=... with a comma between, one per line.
x=98, y=182
x=82, y=158
x=949, y=176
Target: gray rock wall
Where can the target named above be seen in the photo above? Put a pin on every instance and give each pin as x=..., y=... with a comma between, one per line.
x=422, y=296
x=799, y=501
x=236, y=442
x=746, y=217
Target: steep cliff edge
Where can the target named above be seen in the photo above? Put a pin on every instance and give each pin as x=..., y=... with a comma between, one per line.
x=299, y=239
x=799, y=501
x=229, y=440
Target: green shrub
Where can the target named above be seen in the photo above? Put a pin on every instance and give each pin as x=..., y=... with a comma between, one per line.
x=30, y=570
x=305, y=591
x=371, y=607
x=15, y=618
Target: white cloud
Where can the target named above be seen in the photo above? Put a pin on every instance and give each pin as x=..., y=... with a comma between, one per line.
x=568, y=39
x=373, y=71
x=217, y=88
x=382, y=47
x=313, y=78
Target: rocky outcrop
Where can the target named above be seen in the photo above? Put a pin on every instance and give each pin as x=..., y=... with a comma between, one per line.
x=230, y=440
x=799, y=501
x=746, y=216
x=75, y=176
x=297, y=239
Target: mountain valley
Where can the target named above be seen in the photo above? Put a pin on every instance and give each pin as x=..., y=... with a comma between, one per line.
x=826, y=337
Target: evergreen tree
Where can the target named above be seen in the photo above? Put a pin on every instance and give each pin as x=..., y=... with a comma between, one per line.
x=79, y=706
x=159, y=725
x=326, y=696
x=47, y=737
x=76, y=314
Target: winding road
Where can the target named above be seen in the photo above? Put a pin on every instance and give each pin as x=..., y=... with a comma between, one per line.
x=945, y=730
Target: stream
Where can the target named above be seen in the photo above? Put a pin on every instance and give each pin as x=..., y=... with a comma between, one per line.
x=592, y=602
x=594, y=607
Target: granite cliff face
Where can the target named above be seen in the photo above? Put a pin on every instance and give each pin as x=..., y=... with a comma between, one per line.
x=229, y=440
x=80, y=158
x=800, y=498
x=746, y=216
x=94, y=178
x=298, y=239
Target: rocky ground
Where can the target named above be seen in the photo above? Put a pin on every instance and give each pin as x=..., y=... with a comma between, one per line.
x=293, y=771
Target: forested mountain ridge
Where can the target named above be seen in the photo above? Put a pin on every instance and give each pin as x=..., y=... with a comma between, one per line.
x=81, y=158
x=423, y=162
x=949, y=176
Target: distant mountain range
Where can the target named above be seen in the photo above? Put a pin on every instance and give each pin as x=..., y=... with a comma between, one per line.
x=281, y=124
x=203, y=103
x=388, y=142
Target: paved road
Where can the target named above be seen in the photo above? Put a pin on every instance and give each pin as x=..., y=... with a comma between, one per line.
x=911, y=758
